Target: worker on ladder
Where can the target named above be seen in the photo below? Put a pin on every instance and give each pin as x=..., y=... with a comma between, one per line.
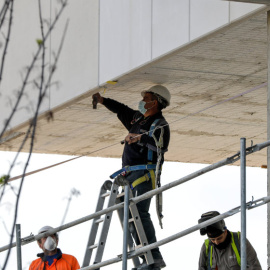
x=147, y=141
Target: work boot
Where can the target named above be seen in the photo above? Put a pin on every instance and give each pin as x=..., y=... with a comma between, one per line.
x=157, y=265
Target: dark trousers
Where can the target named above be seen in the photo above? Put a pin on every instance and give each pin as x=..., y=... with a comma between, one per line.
x=143, y=209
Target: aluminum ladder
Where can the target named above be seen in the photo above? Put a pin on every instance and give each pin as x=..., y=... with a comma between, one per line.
x=109, y=189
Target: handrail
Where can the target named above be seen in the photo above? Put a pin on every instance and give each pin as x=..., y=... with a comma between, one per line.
x=150, y=194
x=185, y=232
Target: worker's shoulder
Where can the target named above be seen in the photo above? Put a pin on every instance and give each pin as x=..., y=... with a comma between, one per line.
x=68, y=256
x=35, y=263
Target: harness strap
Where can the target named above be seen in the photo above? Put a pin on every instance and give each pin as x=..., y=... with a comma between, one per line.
x=150, y=134
x=134, y=168
x=140, y=180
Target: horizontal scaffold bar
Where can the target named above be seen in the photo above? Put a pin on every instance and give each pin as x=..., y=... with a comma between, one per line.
x=229, y=160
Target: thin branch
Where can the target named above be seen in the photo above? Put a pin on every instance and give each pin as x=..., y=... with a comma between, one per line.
x=3, y=12
x=7, y=42
x=33, y=123
x=29, y=69
x=53, y=68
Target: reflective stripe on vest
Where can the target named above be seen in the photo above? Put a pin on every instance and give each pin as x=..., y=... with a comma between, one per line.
x=235, y=247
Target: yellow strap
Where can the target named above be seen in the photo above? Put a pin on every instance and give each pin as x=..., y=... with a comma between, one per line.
x=140, y=180
x=235, y=250
x=153, y=177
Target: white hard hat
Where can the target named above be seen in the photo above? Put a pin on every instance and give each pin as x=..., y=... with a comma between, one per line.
x=161, y=91
x=45, y=229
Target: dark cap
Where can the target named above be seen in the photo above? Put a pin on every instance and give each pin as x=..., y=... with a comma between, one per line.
x=214, y=230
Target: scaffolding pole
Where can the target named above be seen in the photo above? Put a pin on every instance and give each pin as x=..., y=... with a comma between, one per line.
x=268, y=138
x=18, y=244
x=243, y=204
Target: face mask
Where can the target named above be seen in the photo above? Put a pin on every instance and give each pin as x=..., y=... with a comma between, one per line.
x=50, y=244
x=141, y=106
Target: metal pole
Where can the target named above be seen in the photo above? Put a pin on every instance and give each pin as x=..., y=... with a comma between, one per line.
x=18, y=244
x=243, y=204
x=125, y=225
x=268, y=137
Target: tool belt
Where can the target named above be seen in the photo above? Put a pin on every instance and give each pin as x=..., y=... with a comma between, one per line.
x=150, y=175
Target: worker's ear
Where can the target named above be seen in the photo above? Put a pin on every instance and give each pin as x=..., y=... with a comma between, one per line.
x=39, y=244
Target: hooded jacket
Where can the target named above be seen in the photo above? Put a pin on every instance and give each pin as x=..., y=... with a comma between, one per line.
x=62, y=262
x=225, y=258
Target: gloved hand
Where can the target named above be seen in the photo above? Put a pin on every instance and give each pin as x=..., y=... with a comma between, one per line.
x=97, y=98
x=120, y=180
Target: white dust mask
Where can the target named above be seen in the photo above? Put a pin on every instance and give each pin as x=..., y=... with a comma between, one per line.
x=50, y=244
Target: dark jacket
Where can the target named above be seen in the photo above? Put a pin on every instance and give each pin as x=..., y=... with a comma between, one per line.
x=134, y=122
x=225, y=259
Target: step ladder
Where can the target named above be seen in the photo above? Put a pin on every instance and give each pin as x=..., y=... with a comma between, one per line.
x=110, y=190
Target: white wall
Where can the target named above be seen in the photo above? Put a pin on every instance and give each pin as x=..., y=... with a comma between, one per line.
x=105, y=39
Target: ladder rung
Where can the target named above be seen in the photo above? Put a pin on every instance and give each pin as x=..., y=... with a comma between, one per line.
x=93, y=246
x=99, y=220
x=131, y=220
x=105, y=194
x=120, y=195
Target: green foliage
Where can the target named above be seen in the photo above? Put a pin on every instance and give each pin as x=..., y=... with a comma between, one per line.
x=39, y=41
x=4, y=179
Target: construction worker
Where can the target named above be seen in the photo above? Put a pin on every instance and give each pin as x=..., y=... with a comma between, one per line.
x=140, y=149
x=222, y=248
x=52, y=258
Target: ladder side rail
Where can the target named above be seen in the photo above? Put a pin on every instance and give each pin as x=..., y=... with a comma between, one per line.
x=94, y=229
x=140, y=230
x=106, y=225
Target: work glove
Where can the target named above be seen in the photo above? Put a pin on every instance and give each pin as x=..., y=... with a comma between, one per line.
x=120, y=180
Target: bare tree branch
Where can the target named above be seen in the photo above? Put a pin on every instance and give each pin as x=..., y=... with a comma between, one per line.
x=30, y=68
x=7, y=41
x=42, y=88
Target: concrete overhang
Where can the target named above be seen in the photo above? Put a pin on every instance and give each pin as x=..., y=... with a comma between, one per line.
x=219, y=94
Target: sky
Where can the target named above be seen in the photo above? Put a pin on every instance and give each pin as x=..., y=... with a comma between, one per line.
x=45, y=195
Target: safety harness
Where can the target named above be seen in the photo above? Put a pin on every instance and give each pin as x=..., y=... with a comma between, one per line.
x=154, y=170
x=150, y=167
x=235, y=247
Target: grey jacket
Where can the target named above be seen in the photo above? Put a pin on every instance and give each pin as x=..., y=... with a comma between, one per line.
x=225, y=259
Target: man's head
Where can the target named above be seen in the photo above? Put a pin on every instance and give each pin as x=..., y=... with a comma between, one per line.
x=48, y=244
x=216, y=232
x=156, y=98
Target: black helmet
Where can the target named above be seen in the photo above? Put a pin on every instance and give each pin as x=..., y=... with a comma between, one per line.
x=213, y=230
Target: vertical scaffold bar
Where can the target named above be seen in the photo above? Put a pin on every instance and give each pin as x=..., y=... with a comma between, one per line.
x=125, y=225
x=19, y=246
x=243, y=203
x=268, y=136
